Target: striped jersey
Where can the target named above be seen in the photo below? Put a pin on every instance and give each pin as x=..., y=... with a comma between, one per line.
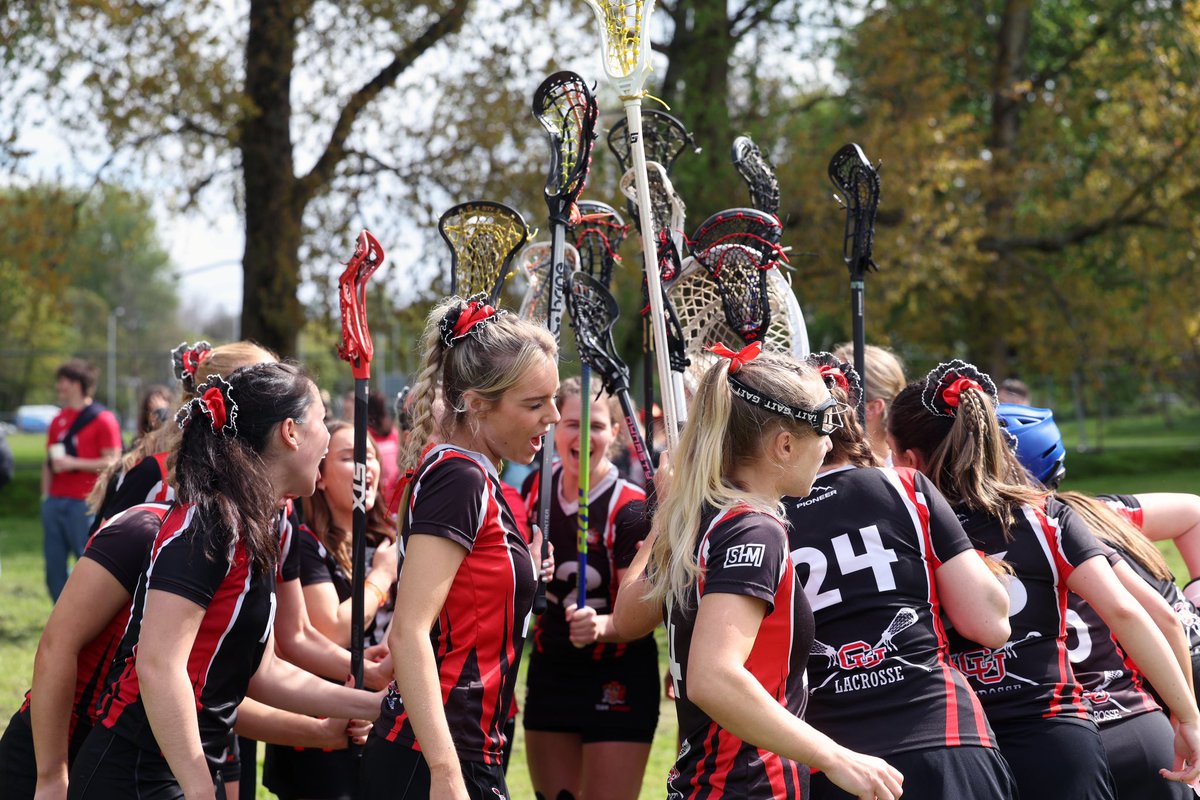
x=617, y=522
x=1029, y=677
x=239, y=606
x=121, y=547
x=866, y=544
x=317, y=565
x=744, y=552
x=479, y=632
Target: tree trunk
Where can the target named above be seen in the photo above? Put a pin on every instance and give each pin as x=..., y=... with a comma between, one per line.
x=697, y=84
x=1007, y=104
x=271, y=312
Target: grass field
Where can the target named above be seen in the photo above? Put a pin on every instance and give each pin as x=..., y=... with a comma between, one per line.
x=1140, y=455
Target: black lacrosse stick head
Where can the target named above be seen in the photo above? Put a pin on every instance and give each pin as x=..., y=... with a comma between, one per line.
x=737, y=247
x=566, y=108
x=663, y=136
x=483, y=237
x=758, y=174
x=593, y=312
x=597, y=234
x=858, y=184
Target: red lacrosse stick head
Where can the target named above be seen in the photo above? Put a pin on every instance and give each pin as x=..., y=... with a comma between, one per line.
x=356, y=347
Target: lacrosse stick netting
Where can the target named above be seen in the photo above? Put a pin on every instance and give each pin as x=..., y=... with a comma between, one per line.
x=758, y=174
x=858, y=184
x=597, y=235
x=666, y=210
x=663, y=136
x=483, y=237
x=535, y=265
x=737, y=247
x=697, y=304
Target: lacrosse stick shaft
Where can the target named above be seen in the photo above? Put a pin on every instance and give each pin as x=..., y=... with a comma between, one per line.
x=358, y=542
x=639, y=444
x=858, y=318
x=585, y=478
x=648, y=385
x=658, y=323
x=554, y=309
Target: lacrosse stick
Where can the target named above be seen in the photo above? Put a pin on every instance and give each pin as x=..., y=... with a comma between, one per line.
x=663, y=136
x=858, y=182
x=695, y=298
x=534, y=263
x=356, y=349
x=597, y=236
x=758, y=174
x=483, y=237
x=625, y=45
x=737, y=247
x=565, y=107
x=593, y=313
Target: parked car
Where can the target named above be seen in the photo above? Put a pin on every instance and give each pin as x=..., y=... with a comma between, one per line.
x=35, y=419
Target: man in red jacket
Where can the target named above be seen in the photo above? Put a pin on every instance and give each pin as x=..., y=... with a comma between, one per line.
x=83, y=439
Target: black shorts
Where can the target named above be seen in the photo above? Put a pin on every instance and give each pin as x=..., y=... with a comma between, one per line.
x=292, y=772
x=1137, y=748
x=1056, y=759
x=394, y=771
x=109, y=766
x=941, y=773
x=18, y=764
x=613, y=699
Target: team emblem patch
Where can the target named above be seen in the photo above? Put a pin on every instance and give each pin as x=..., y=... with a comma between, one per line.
x=745, y=555
x=613, y=693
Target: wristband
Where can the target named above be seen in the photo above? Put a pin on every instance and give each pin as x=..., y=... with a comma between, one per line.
x=380, y=594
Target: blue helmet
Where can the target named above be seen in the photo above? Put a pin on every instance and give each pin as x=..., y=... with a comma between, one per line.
x=1039, y=443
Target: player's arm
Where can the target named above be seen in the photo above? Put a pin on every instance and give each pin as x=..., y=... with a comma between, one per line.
x=975, y=602
x=633, y=616
x=1162, y=614
x=1174, y=516
x=281, y=684
x=169, y=628
x=264, y=723
x=90, y=599
x=430, y=564
x=719, y=683
x=1095, y=581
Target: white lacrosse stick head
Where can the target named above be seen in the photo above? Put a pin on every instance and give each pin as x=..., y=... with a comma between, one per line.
x=697, y=304
x=625, y=42
x=667, y=206
x=535, y=268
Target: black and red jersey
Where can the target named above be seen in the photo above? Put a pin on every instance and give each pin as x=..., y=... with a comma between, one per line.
x=1111, y=681
x=286, y=525
x=866, y=544
x=1029, y=677
x=317, y=565
x=144, y=482
x=239, y=606
x=122, y=547
x=744, y=552
x=478, y=634
x=617, y=522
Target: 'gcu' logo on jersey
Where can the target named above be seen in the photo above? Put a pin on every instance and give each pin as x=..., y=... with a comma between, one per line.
x=745, y=555
x=859, y=655
x=984, y=666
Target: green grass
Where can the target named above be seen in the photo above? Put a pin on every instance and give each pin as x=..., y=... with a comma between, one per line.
x=1139, y=455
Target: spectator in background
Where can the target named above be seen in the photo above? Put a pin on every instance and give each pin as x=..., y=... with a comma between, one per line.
x=387, y=441
x=83, y=439
x=157, y=403
x=7, y=465
x=1013, y=390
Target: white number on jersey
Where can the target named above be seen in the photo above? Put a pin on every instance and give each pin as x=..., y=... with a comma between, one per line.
x=874, y=557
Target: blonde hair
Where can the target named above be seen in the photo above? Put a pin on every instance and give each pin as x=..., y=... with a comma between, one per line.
x=573, y=387
x=883, y=368
x=219, y=361
x=1111, y=527
x=490, y=360
x=722, y=432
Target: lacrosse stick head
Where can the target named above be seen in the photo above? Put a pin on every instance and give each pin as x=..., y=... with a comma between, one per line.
x=565, y=107
x=737, y=247
x=536, y=263
x=483, y=236
x=356, y=347
x=697, y=302
x=593, y=312
x=758, y=174
x=666, y=206
x=597, y=235
x=625, y=42
x=664, y=138
x=858, y=184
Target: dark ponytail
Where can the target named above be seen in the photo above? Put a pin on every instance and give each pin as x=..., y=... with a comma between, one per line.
x=219, y=467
